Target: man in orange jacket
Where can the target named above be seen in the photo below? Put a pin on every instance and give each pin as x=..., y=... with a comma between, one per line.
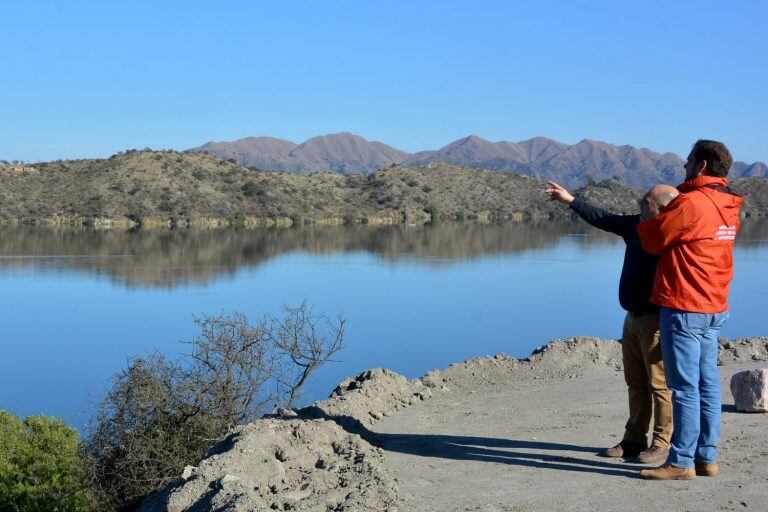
x=694, y=237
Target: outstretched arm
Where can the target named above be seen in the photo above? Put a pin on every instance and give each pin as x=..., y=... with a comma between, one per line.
x=622, y=225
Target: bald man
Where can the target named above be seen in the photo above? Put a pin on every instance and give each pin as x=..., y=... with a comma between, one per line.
x=649, y=396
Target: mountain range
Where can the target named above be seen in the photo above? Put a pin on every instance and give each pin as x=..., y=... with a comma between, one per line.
x=571, y=165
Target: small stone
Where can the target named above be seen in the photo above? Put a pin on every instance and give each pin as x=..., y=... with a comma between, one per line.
x=226, y=481
x=750, y=390
x=282, y=412
x=188, y=472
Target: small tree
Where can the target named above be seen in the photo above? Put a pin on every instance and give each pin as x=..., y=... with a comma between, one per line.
x=303, y=342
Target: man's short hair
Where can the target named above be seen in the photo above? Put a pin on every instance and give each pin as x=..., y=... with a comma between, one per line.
x=717, y=156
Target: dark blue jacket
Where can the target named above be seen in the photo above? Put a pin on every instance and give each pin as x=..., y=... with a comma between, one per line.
x=639, y=270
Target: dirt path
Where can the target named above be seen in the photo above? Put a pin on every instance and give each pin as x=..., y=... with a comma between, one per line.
x=488, y=434
x=506, y=436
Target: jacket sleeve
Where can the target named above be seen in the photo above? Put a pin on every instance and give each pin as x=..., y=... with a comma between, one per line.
x=622, y=225
x=667, y=229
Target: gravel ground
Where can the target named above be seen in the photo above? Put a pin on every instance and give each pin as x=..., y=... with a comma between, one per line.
x=521, y=436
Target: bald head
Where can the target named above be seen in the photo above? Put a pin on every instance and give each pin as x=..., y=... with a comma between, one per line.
x=663, y=194
x=656, y=199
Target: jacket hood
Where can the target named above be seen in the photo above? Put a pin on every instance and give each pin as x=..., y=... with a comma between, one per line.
x=701, y=181
x=727, y=202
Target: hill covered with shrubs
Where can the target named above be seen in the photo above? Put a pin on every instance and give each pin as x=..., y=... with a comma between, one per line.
x=167, y=188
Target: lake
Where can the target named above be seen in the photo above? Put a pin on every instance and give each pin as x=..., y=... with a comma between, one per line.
x=77, y=304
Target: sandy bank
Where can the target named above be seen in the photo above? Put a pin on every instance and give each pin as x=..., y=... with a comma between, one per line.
x=491, y=434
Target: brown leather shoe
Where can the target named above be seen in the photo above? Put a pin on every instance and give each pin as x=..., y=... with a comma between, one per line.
x=707, y=469
x=653, y=455
x=623, y=449
x=668, y=472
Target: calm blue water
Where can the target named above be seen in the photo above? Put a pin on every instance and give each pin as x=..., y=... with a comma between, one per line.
x=76, y=305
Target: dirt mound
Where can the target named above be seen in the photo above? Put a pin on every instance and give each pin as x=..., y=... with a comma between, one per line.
x=277, y=464
x=563, y=359
x=367, y=398
x=308, y=460
x=558, y=360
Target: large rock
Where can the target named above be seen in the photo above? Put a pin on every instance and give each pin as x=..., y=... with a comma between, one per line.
x=750, y=390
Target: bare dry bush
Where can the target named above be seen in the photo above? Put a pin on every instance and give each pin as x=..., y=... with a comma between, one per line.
x=147, y=426
x=231, y=363
x=160, y=415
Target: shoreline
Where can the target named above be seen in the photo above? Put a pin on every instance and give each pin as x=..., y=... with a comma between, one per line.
x=250, y=222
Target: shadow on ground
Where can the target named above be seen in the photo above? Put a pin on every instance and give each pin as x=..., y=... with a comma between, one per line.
x=535, y=454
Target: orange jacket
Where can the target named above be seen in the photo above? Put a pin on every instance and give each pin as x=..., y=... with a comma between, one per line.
x=694, y=236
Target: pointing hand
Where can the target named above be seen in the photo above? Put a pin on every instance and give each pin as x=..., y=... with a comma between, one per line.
x=558, y=193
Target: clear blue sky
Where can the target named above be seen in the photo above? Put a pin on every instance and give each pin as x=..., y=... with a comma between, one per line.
x=87, y=79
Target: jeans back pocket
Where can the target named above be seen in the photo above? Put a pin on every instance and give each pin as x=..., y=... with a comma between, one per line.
x=698, y=323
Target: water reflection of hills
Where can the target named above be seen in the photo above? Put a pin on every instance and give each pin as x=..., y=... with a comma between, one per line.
x=171, y=258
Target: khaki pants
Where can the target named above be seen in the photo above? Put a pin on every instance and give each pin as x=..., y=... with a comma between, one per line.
x=644, y=374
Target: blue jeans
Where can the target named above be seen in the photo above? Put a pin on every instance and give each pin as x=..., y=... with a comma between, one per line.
x=689, y=349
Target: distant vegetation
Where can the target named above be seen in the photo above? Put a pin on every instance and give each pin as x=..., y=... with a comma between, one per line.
x=166, y=188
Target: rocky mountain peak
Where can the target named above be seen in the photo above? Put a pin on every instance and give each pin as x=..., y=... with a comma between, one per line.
x=572, y=165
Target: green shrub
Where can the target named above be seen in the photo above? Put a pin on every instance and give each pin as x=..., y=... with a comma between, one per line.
x=251, y=188
x=40, y=465
x=434, y=214
x=238, y=219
